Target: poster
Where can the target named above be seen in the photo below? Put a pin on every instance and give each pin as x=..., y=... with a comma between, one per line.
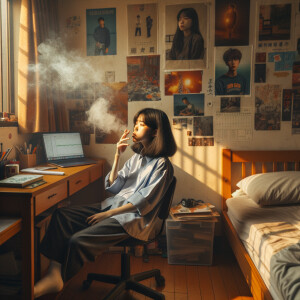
x=115, y=107
x=101, y=32
x=189, y=52
x=183, y=82
x=203, y=126
x=230, y=104
x=142, y=29
x=268, y=107
x=232, y=23
x=201, y=141
x=232, y=70
x=189, y=105
x=275, y=22
x=283, y=60
x=180, y=123
x=143, y=78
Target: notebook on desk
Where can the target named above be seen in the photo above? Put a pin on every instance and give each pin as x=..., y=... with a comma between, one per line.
x=64, y=149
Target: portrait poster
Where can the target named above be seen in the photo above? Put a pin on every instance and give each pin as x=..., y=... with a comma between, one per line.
x=183, y=82
x=232, y=23
x=143, y=78
x=101, y=33
x=267, y=107
x=203, y=126
x=115, y=108
x=142, y=29
x=232, y=70
x=296, y=114
x=287, y=100
x=230, y=104
x=188, y=53
x=189, y=105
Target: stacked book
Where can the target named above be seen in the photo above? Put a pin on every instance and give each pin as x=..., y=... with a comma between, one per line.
x=201, y=212
x=22, y=180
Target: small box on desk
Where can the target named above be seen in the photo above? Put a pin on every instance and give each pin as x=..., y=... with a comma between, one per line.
x=190, y=243
x=27, y=160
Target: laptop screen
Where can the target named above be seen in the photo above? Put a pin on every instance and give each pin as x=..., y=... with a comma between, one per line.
x=63, y=145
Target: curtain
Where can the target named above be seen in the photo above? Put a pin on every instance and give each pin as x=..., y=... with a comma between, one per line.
x=40, y=109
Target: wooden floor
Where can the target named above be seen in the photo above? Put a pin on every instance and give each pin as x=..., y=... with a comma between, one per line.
x=221, y=281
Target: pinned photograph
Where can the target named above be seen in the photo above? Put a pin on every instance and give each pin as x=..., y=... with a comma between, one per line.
x=287, y=100
x=203, y=126
x=230, y=104
x=260, y=57
x=296, y=115
x=189, y=105
x=101, y=32
x=180, y=123
x=232, y=23
x=268, y=107
x=143, y=78
x=183, y=82
x=142, y=29
x=275, y=22
x=260, y=73
x=232, y=70
x=186, y=36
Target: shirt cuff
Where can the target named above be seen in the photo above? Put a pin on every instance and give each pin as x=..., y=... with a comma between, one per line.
x=116, y=186
x=139, y=201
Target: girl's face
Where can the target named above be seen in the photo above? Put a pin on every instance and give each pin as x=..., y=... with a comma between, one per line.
x=141, y=132
x=184, y=22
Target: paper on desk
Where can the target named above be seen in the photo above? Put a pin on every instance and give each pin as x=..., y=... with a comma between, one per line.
x=34, y=171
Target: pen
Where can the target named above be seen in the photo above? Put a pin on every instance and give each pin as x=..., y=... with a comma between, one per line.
x=7, y=153
x=3, y=154
x=34, y=149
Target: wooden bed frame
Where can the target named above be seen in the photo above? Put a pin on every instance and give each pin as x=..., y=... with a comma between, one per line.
x=250, y=160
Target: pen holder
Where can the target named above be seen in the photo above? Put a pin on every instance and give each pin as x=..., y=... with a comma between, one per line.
x=27, y=160
x=2, y=169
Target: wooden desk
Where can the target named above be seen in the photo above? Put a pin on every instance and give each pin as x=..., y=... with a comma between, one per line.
x=28, y=203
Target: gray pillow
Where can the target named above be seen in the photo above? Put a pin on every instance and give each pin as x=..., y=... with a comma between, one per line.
x=272, y=188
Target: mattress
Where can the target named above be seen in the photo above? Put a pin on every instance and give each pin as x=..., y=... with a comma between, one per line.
x=271, y=236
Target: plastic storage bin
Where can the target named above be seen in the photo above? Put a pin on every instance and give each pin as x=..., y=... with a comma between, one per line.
x=190, y=243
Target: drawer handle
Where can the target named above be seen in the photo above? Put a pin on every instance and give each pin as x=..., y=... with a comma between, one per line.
x=78, y=181
x=51, y=195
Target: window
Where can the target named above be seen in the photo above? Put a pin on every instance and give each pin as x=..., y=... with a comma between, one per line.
x=7, y=103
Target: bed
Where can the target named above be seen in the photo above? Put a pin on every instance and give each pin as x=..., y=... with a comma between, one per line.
x=237, y=165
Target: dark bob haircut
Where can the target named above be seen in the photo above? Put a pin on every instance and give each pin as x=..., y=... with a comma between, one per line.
x=163, y=144
x=231, y=54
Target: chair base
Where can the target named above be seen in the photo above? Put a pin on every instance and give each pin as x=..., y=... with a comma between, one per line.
x=127, y=281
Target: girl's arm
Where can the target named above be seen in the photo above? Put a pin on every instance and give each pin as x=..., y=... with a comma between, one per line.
x=121, y=147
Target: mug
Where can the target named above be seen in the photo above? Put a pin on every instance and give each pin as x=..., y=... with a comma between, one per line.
x=11, y=170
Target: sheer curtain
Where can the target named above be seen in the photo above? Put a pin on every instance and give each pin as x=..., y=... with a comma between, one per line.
x=40, y=109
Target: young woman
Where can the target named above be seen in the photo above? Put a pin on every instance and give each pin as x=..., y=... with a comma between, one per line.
x=188, y=42
x=79, y=234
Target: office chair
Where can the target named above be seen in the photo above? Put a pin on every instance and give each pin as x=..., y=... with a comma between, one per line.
x=126, y=281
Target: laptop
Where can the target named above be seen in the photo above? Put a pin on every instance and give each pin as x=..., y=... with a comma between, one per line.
x=64, y=149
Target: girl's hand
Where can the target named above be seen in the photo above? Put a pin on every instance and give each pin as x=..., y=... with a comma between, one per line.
x=122, y=145
x=94, y=219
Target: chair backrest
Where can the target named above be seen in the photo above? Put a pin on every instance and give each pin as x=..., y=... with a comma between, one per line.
x=167, y=200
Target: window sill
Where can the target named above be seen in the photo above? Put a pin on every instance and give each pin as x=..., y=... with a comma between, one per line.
x=8, y=124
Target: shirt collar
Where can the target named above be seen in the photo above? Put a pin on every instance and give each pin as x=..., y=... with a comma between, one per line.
x=148, y=159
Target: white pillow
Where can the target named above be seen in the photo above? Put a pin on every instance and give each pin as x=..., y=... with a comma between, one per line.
x=272, y=188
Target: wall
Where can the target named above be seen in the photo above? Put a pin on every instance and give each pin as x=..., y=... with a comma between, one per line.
x=198, y=169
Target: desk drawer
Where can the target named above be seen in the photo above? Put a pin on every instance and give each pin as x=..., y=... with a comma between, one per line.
x=78, y=182
x=50, y=197
x=96, y=172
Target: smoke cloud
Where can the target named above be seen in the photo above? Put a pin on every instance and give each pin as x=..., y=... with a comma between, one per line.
x=99, y=116
x=61, y=69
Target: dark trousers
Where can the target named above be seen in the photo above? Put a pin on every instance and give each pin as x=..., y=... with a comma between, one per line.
x=70, y=241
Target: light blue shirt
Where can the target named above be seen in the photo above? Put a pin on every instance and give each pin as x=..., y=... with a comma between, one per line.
x=142, y=182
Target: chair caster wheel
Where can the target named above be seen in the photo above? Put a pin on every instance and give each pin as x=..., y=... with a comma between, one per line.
x=160, y=281
x=86, y=284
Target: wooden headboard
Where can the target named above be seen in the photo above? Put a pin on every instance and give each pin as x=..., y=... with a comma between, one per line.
x=284, y=158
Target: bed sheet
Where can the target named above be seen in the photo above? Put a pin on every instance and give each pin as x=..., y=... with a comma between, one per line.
x=271, y=236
